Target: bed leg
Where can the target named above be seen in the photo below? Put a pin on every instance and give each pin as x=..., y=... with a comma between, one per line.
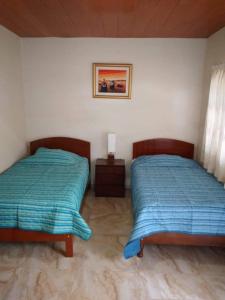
x=69, y=246
x=140, y=253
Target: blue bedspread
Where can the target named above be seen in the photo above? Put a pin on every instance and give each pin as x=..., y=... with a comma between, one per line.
x=174, y=194
x=44, y=192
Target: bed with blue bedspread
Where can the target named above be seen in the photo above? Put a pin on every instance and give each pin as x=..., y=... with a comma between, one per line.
x=44, y=193
x=170, y=194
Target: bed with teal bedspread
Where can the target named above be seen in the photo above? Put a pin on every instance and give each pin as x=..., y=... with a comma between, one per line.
x=174, y=194
x=44, y=192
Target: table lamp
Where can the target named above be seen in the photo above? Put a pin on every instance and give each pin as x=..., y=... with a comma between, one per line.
x=111, y=146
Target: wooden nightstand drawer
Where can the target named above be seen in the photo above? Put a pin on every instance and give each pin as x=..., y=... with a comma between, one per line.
x=111, y=178
x=110, y=169
x=109, y=190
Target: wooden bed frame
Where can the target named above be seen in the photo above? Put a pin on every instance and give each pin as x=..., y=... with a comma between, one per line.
x=184, y=149
x=17, y=235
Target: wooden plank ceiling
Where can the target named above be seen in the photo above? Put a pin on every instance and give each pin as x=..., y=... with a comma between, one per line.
x=113, y=18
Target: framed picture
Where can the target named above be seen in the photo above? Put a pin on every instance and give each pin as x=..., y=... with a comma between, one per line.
x=112, y=80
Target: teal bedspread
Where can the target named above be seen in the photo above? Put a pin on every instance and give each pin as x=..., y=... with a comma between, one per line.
x=44, y=192
x=174, y=194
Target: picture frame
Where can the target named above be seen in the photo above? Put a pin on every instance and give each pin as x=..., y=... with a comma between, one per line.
x=112, y=80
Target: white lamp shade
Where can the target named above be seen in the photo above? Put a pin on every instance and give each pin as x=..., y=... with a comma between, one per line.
x=111, y=143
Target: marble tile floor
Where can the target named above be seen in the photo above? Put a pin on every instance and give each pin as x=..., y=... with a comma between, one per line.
x=98, y=270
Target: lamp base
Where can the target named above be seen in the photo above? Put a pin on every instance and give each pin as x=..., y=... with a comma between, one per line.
x=111, y=158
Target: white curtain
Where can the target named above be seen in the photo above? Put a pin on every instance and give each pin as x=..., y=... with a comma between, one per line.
x=213, y=150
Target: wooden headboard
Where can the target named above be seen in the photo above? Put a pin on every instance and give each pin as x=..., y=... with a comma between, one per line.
x=80, y=147
x=163, y=146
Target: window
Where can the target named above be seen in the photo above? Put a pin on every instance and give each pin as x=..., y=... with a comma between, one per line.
x=214, y=136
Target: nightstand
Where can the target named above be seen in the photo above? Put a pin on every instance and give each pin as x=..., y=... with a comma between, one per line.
x=110, y=178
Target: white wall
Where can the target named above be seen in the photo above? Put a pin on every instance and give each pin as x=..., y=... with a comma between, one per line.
x=166, y=92
x=215, y=55
x=12, y=117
